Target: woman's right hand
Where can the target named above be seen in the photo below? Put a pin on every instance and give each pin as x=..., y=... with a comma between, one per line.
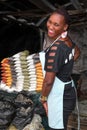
x=45, y=107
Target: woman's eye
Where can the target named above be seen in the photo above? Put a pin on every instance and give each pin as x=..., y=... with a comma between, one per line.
x=56, y=24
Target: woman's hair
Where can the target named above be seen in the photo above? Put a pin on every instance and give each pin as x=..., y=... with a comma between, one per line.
x=62, y=11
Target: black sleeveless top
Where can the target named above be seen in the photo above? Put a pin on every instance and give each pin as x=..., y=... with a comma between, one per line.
x=60, y=59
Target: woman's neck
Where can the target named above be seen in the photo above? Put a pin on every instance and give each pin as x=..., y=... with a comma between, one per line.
x=53, y=39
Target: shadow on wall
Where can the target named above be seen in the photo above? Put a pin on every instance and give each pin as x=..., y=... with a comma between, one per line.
x=16, y=37
x=79, y=36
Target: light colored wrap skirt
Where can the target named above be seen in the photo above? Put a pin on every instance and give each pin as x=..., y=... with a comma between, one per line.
x=56, y=100
x=55, y=104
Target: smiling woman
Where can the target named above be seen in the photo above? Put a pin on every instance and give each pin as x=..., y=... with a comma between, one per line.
x=56, y=25
x=58, y=93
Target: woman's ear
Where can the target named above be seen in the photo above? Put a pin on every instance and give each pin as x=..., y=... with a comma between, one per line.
x=66, y=27
x=64, y=34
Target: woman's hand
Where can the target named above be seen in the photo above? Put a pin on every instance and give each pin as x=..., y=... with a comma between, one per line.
x=45, y=107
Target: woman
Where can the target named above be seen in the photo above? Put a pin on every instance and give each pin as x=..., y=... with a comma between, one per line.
x=58, y=93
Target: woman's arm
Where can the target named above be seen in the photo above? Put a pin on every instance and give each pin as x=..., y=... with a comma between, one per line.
x=47, y=83
x=77, y=53
x=47, y=86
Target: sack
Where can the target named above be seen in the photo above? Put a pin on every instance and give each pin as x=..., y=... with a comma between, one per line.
x=23, y=72
x=24, y=111
x=6, y=114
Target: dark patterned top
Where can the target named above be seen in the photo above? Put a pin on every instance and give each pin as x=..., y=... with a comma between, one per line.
x=59, y=59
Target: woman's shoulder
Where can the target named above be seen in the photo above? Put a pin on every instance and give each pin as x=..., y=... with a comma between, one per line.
x=61, y=45
x=66, y=43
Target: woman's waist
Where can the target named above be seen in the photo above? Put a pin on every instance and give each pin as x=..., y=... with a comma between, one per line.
x=66, y=82
x=64, y=79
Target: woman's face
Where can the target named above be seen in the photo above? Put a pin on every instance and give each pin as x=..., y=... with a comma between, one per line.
x=56, y=25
